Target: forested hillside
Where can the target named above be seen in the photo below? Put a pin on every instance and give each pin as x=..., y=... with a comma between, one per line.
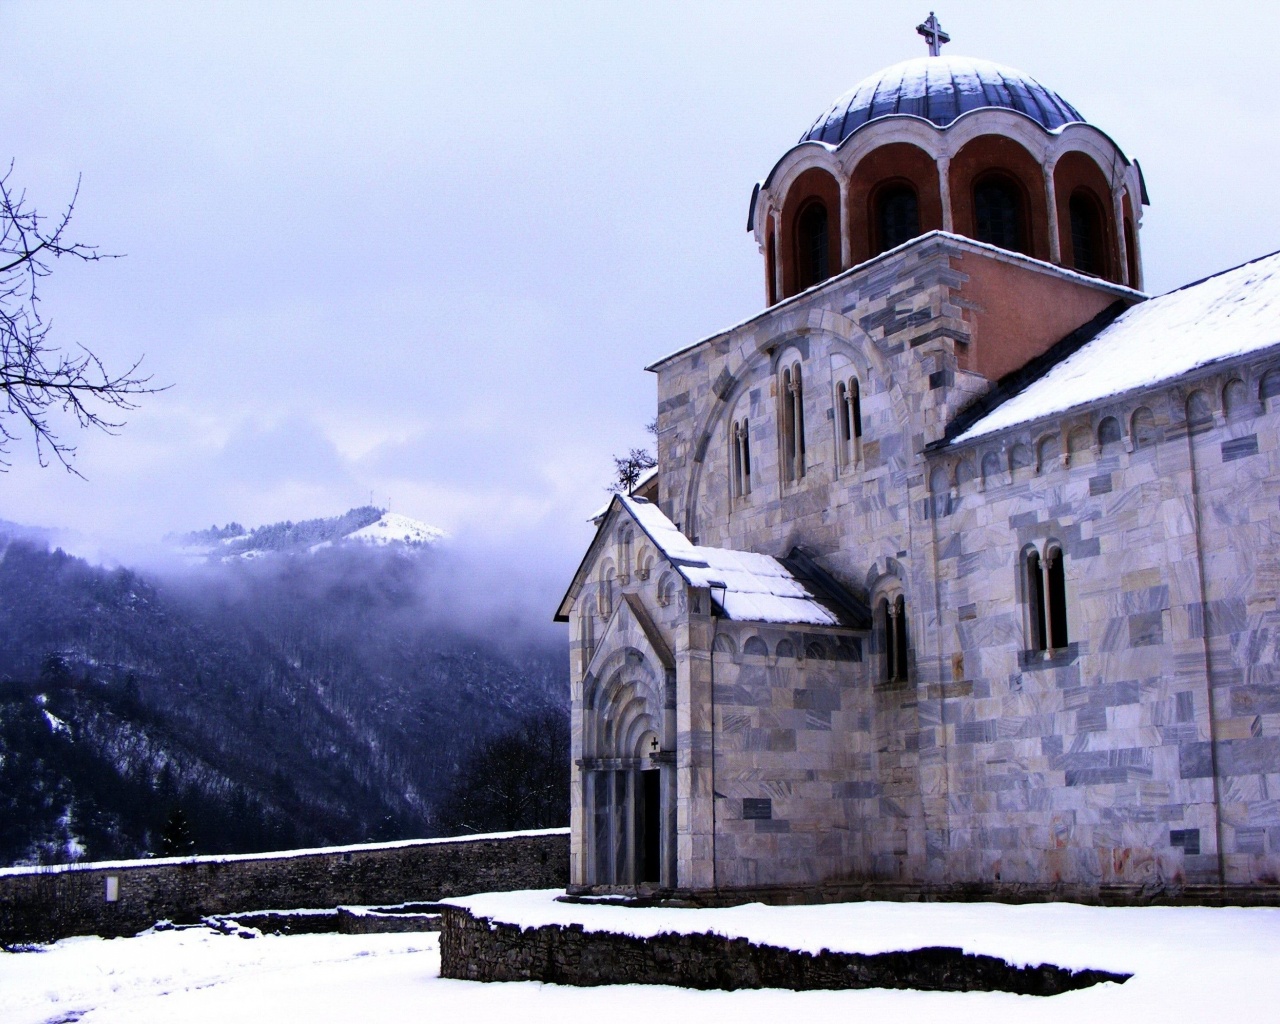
x=296, y=699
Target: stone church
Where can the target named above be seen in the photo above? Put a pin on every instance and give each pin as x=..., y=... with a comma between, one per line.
x=958, y=572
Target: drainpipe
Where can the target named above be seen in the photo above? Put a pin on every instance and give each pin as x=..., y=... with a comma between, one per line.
x=712, y=587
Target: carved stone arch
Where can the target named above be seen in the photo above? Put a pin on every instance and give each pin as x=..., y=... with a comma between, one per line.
x=1235, y=398
x=1110, y=434
x=1095, y=144
x=754, y=356
x=668, y=583
x=1020, y=457
x=1013, y=125
x=724, y=644
x=625, y=549
x=625, y=686
x=785, y=648
x=1142, y=428
x=940, y=491
x=1268, y=387
x=877, y=134
x=993, y=473
x=965, y=472
x=1199, y=411
x=1049, y=452
x=645, y=558
x=1079, y=443
x=755, y=646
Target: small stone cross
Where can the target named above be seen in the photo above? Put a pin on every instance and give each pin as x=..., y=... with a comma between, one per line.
x=933, y=34
x=653, y=745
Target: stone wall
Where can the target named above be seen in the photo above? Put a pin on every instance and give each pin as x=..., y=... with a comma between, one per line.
x=478, y=949
x=42, y=904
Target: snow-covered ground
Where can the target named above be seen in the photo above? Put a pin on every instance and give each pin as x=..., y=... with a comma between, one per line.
x=1188, y=964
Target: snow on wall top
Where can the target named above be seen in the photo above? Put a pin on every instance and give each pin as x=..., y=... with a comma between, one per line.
x=227, y=858
x=757, y=588
x=1230, y=314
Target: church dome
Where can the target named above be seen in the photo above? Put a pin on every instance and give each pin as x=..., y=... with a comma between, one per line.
x=940, y=89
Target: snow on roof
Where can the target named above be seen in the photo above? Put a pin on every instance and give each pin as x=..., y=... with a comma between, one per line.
x=1230, y=314
x=757, y=588
x=641, y=480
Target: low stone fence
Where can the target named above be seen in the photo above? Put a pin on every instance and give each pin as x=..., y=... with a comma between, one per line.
x=125, y=897
x=478, y=949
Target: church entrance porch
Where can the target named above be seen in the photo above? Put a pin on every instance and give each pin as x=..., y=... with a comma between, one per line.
x=629, y=832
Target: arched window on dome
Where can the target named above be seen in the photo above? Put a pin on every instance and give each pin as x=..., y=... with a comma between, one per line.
x=1088, y=240
x=897, y=216
x=812, y=264
x=791, y=418
x=1131, y=252
x=998, y=214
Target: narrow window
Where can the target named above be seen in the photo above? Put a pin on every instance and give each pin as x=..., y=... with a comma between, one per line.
x=891, y=614
x=1087, y=249
x=842, y=426
x=1047, y=599
x=1035, y=602
x=900, y=640
x=1131, y=252
x=1056, y=597
x=811, y=245
x=897, y=216
x=740, y=456
x=887, y=638
x=997, y=212
x=792, y=408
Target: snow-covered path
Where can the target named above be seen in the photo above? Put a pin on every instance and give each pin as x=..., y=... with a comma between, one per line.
x=1188, y=963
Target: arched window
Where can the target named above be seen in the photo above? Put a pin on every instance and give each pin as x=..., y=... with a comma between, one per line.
x=1019, y=458
x=791, y=399
x=1050, y=453
x=897, y=216
x=1199, y=412
x=1269, y=387
x=848, y=423
x=1046, y=583
x=624, y=552
x=1235, y=399
x=991, y=474
x=608, y=585
x=1109, y=433
x=1088, y=245
x=740, y=458
x=891, y=624
x=785, y=649
x=811, y=245
x=997, y=213
x=1142, y=427
x=755, y=646
x=1131, y=252
x=586, y=636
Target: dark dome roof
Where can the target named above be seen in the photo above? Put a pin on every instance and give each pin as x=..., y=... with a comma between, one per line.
x=940, y=89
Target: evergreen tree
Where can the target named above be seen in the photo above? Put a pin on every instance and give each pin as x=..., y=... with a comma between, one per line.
x=176, y=840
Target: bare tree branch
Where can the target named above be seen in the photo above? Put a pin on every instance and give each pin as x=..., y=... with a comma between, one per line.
x=36, y=378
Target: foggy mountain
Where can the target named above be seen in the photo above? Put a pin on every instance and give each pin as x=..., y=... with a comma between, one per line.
x=313, y=692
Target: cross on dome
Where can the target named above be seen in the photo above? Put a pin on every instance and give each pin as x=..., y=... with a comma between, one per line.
x=933, y=34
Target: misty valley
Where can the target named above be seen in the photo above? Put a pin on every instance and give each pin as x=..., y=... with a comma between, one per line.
x=297, y=685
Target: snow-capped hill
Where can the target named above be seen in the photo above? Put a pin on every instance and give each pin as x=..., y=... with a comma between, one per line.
x=365, y=525
x=394, y=528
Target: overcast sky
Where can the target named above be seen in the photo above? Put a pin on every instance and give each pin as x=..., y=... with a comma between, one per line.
x=423, y=251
